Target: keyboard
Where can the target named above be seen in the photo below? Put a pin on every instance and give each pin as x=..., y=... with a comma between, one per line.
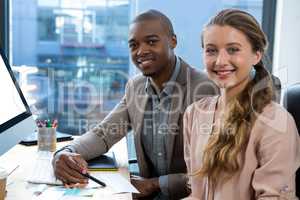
x=42, y=171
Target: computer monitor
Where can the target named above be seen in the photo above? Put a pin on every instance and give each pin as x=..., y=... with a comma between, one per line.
x=16, y=120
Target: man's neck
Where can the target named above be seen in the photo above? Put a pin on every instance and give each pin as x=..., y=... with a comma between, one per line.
x=165, y=75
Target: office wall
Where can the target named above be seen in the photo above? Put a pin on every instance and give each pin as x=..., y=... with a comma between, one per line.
x=287, y=42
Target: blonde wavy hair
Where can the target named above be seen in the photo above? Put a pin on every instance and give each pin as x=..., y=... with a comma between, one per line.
x=223, y=155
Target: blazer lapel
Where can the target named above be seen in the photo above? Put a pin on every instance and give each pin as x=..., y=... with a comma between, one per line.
x=140, y=105
x=177, y=108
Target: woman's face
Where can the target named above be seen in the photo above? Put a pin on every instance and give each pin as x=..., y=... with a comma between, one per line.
x=228, y=57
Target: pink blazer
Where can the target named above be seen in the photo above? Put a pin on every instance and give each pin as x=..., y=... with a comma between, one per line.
x=271, y=158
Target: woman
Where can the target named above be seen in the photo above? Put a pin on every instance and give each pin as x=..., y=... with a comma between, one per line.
x=239, y=145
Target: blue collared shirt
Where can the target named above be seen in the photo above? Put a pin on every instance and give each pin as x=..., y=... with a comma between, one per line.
x=155, y=127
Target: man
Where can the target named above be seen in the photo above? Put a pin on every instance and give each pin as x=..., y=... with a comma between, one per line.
x=153, y=106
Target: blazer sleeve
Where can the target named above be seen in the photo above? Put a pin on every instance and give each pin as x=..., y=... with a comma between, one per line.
x=278, y=152
x=112, y=129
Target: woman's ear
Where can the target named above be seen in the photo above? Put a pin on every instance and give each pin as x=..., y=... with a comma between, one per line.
x=257, y=56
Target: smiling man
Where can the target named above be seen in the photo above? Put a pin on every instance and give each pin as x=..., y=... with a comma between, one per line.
x=152, y=107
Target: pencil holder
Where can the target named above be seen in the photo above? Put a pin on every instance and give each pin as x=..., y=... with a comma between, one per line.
x=47, y=139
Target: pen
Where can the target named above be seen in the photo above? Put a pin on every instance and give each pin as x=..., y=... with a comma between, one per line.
x=93, y=179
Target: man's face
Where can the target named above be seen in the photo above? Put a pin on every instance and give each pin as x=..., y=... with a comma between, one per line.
x=151, y=47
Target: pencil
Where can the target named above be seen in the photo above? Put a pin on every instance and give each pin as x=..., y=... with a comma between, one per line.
x=94, y=179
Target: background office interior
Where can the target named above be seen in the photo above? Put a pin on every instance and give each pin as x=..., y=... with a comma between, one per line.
x=72, y=61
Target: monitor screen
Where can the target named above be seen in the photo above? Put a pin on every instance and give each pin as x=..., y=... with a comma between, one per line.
x=12, y=102
x=12, y=105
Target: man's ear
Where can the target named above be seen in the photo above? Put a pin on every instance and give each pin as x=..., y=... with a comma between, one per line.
x=173, y=41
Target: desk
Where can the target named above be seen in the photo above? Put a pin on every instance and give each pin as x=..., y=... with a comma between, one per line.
x=19, y=189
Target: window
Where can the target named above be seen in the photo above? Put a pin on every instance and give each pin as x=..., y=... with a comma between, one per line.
x=72, y=58
x=46, y=25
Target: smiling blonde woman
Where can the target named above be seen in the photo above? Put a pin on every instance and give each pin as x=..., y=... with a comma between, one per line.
x=239, y=145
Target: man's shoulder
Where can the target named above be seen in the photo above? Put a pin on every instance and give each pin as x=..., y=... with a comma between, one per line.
x=137, y=79
x=199, y=80
x=197, y=75
x=193, y=73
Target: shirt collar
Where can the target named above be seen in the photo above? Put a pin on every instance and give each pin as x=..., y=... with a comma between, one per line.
x=169, y=85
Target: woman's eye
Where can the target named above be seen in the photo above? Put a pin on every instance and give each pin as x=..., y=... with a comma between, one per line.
x=232, y=50
x=210, y=51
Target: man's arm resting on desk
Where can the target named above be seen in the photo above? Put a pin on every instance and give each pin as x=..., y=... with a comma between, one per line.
x=92, y=144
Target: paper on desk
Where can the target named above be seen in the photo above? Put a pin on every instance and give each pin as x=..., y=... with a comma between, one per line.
x=116, y=181
x=51, y=193
x=9, y=167
x=57, y=192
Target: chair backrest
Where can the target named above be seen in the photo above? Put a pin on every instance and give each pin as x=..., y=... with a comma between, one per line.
x=291, y=103
x=276, y=88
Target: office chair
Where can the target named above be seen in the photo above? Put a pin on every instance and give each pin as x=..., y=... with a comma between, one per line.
x=276, y=88
x=291, y=103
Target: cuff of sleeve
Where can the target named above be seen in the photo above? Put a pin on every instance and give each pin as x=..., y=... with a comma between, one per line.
x=163, y=184
x=68, y=148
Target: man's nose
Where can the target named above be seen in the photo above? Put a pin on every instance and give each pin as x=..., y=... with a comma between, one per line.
x=143, y=49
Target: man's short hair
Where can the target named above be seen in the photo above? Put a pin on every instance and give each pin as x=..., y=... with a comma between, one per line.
x=156, y=15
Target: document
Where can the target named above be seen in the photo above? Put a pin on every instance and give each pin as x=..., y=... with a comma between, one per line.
x=51, y=193
x=57, y=192
x=114, y=180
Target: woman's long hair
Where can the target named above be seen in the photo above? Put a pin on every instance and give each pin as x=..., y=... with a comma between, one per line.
x=223, y=155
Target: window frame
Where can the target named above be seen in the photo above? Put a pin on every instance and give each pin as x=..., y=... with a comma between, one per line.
x=4, y=26
x=268, y=26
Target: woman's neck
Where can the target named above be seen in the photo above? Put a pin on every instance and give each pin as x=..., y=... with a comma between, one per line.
x=227, y=94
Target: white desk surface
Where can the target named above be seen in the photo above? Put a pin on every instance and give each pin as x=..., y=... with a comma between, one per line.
x=19, y=189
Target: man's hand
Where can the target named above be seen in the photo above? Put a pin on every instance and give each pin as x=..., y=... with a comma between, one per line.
x=67, y=166
x=145, y=186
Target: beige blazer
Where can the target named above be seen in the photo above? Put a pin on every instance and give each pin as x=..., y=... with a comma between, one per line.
x=272, y=155
x=129, y=114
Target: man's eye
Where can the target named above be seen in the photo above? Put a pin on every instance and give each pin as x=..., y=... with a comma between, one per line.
x=151, y=42
x=232, y=50
x=132, y=45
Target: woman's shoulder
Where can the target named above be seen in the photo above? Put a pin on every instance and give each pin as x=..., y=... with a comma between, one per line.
x=273, y=114
x=274, y=119
x=205, y=104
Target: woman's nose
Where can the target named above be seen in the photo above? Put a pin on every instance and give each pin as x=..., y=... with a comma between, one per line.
x=222, y=58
